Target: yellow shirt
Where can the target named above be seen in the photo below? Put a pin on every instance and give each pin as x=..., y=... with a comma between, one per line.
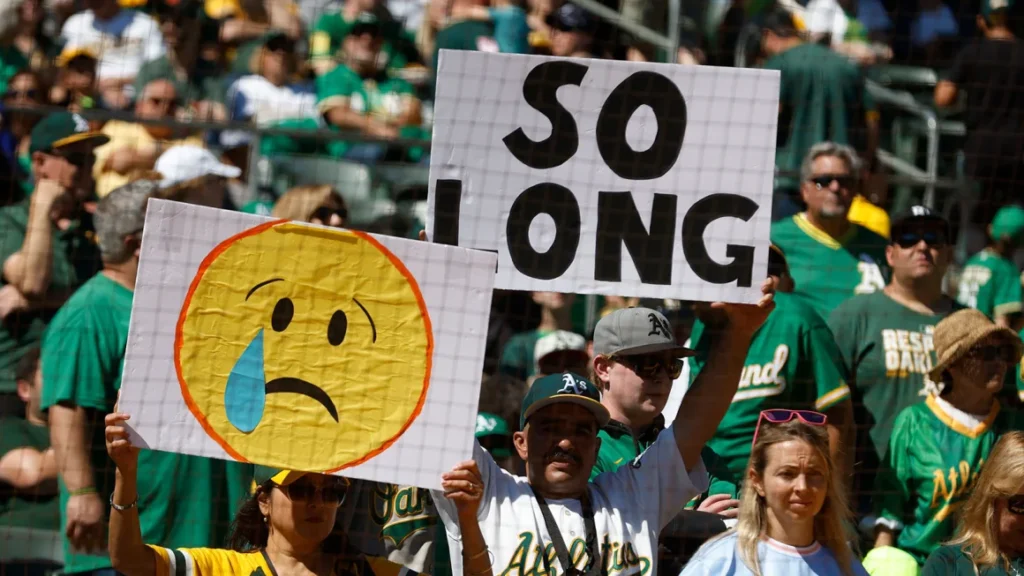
x=125, y=135
x=219, y=562
x=868, y=215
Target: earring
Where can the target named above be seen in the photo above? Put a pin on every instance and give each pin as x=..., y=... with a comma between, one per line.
x=265, y=518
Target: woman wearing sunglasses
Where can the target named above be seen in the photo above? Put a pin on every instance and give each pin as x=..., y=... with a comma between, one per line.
x=990, y=537
x=286, y=528
x=315, y=204
x=937, y=447
x=792, y=510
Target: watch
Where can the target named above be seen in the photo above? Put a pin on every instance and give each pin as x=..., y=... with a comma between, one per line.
x=120, y=508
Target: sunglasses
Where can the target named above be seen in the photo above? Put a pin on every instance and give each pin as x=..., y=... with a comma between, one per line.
x=826, y=180
x=324, y=214
x=29, y=94
x=648, y=365
x=1015, y=504
x=991, y=353
x=304, y=491
x=781, y=416
x=281, y=45
x=910, y=239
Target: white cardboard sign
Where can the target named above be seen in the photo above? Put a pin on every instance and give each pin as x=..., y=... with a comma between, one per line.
x=606, y=177
x=304, y=347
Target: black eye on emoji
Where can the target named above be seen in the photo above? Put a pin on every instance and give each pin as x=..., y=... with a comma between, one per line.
x=282, y=314
x=337, y=328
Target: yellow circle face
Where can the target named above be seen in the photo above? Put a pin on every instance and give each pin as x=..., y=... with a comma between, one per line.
x=303, y=348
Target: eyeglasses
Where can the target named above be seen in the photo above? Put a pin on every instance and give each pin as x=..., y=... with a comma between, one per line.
x=781, y=416
x=826, y=180
x=1015, y=504
x=332, y=492
x=324, y=214
x=991, y=353
x=911, y=238
x=648, y=365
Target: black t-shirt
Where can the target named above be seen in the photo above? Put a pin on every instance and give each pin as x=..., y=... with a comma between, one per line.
x=992, y=74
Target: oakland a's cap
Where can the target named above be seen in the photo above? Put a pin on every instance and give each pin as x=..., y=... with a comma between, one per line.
x=636, y=331
x=565, y=387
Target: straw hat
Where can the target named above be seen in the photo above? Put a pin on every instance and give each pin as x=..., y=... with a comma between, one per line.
x=961, y=331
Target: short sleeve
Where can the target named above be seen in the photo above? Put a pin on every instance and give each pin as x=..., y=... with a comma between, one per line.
x=334, y=89
x=71, y=365
x=1006, y=297
x=829, y=371
x=12, y=236
x=843, y=322
x=892, y=487
x=700, y=343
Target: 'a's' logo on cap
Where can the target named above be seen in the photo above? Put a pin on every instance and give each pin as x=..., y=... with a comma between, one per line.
x=80, y=124
x=571, y=385
x=659, y=326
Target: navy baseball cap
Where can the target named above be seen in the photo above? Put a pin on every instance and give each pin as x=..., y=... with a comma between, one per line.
x=570, y=18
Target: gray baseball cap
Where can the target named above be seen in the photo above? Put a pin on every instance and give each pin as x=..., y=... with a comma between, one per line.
x=120, y=213
x=636, y=331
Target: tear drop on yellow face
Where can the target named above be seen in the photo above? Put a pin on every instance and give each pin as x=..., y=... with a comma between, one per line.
x=303, y=348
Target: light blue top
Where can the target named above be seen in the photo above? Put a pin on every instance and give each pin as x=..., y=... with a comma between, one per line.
x=721, y=558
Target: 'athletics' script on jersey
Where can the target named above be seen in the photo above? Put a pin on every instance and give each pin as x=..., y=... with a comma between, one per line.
x=961, y=479
x=617, y=558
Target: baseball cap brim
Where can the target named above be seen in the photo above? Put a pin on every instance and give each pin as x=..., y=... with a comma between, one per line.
x=593, y=406
x=99, y=138
x=674, y=349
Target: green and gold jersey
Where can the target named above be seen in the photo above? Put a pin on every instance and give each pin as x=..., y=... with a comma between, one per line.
x=933, y=461
x=827, y=270
x=991, y=284
x=888, y=350
x=331, y=28
x=793, y=362
x=219, y=562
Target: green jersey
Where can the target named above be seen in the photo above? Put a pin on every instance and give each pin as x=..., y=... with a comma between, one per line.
x=381, y=96
x=75, y=259
x=517, y=355
x=26, y=508
x=793, y=362
x=933, y=460
x=991, y=284
x=620, y=447
x=184, y=501
x=954, y=561
x=827, y=270
x=329, y=32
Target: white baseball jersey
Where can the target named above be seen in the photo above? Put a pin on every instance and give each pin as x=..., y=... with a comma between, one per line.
x=631, y=506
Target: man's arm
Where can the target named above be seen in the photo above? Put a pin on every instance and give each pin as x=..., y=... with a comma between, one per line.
x=26, y=468
x=70, y=431
x=28, y=269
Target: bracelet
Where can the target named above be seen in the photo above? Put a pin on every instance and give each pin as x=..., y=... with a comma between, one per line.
x=483, y=552
x=122, y=508
x=83, y=491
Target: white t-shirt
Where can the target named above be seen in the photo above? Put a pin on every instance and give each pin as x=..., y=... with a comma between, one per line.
x=721, y=558
x=254, y=97
x=123, y=44
x=631, y=505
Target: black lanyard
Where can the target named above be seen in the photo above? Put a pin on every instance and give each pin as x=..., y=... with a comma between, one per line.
x=595, y=565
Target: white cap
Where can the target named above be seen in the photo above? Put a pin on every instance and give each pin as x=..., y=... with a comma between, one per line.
x=186, y=162
x=558, y=341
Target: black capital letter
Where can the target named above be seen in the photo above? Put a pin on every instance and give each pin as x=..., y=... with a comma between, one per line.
x=539, y=91
x=669, y=107
x=618, y=223
x=557, y=202
x=447, y=205
x=701, y=214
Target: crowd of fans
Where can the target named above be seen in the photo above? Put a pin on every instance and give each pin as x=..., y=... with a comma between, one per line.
x=866, y=417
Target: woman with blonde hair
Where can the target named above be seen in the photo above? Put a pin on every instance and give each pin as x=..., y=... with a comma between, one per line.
x=792, y=509
x=315, y=204
x=990, y=538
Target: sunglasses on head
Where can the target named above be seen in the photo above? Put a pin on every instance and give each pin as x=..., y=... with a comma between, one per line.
x=324, y=214
x=993, y=352
x=911, y=238
x=303, y=490
x=826, y=180
x=648, y=365
x=781, y=416
x=1015, y=504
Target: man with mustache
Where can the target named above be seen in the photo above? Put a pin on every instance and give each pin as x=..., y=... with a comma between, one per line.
x=555, y=520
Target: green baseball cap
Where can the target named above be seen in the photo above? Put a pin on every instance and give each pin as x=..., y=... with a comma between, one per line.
x=365, y=21
x=990, y=6
x=1008, y=223
x=488, y=425
x=565, y=387
x=62, y=129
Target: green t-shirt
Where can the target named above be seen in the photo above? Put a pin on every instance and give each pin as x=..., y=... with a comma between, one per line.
x=184, y=501
x=464, y=35
x=190, y=89
x=953, y=561
x=517, y=355
x=991, y=284
x=932, y=463
x=331, y=28
x=619, y=447
x=76, y=258
x=382, y=96
x=27, y=509
x=793, y=362
x=828, y=271
x=823, y=96
x=889, y=351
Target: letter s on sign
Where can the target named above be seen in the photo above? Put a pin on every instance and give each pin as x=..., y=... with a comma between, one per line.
x=540, y=91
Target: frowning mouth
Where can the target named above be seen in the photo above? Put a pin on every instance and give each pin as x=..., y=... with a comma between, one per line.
x=300, y=386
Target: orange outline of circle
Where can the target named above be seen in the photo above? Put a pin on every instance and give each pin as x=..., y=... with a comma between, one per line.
x=179, y=328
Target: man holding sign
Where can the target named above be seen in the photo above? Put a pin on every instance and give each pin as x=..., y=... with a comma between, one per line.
x=617, y=517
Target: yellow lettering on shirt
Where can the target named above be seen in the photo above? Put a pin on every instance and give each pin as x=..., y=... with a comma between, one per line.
x=961, y=479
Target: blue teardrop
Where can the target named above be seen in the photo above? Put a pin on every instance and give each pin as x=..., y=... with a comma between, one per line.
x=246, y=392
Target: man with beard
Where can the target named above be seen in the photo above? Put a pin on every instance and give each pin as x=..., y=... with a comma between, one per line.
x=612, y=524
x=830, y=258
x=45, y=241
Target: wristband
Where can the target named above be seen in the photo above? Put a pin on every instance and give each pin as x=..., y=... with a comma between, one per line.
x=120, y=508
x=83, y=491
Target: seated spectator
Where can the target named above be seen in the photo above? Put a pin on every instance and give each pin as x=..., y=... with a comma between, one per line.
x=937, y=447
x=990, y=535
x=561, y=351
x=242, y=20
x=75, y=88
x=123, y=40
x=459, y=33
x=194, y=175
x=38, y=48
x=315, y=204
x=28, y=476
x=194, y=62
x=134, y=148
x=327, y=38
x=25, y=90
x=45, y=242
x=272, y=93
x=517, y=358
x=990, y=281
x=511, y=30
x=572, y=32
x=793, y=508
x=357, y=96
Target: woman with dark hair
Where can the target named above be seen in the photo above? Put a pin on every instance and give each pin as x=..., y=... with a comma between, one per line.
x=938, y=446
x=286, y=528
